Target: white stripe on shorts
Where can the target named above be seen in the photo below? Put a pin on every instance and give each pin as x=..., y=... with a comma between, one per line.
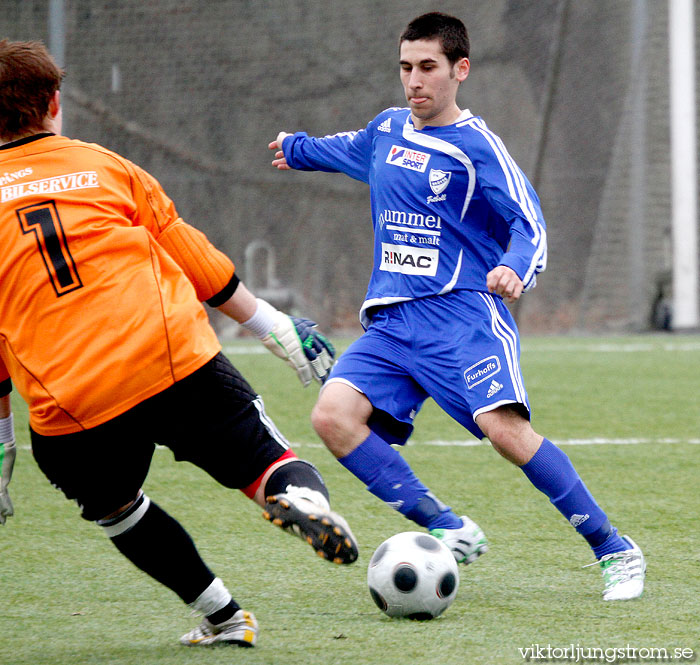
x=269, y=425
x=509, y=339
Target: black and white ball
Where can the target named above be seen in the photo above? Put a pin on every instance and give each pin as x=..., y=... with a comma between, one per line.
x=413, y=575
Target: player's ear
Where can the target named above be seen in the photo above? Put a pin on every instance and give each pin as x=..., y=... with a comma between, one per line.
x=55, y=104
x=462, y=67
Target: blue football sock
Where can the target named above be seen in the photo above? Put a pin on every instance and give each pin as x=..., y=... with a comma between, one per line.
x=388, y=476
x=550, y=471
x=614, y=543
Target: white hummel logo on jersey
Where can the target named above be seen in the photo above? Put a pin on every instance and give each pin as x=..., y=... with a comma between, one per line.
x=494, y=388
x=385, y=126
x=577, y=520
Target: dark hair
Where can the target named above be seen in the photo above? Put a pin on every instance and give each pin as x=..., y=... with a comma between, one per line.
x=29, y=77
x=449, y=30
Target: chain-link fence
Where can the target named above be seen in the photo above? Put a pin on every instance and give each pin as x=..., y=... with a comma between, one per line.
x=193, y=92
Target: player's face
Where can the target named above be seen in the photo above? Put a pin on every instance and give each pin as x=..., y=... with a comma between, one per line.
x=430, y=82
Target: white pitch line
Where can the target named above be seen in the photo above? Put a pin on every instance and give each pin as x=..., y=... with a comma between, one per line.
x=596, y=441
x=623, y=442
x=244, y=350
x=469, y=443
x=567, y=442
x=636, y=347
x=534, y=347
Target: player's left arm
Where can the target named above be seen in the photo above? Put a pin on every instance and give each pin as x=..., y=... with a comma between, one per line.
x=295, y=340
x=208, y=268
x=527, y=250
x=525, y=258
x=515, y=201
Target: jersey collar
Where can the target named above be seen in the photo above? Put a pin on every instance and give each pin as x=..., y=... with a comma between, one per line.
x=26, y=139
x=464, y=115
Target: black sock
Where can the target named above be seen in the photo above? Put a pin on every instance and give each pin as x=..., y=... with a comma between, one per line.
x=298, y=473
x=158, y=545
x=225, y=613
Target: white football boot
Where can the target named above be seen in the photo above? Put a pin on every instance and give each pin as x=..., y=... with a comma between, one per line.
x=307, y=514
x=467, y=543
x=240, y=630
x=623, y=573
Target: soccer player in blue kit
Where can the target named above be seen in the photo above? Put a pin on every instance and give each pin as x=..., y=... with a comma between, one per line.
x=458, y=230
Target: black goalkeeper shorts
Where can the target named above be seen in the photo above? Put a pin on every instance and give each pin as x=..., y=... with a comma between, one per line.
x=212, y=418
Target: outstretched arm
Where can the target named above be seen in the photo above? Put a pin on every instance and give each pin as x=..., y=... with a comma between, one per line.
x=344, y=152
x=294, y=340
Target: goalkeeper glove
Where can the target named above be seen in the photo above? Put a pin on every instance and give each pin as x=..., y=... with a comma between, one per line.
x=296, y=341
x=318, y=350
x=7, y=463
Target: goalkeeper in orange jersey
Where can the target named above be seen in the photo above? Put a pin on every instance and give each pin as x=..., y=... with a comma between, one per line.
x=103, y=333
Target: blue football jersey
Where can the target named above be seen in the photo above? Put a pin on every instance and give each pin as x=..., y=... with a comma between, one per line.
x=448, y=204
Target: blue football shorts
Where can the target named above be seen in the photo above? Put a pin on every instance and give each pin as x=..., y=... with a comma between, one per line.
x=462, y=349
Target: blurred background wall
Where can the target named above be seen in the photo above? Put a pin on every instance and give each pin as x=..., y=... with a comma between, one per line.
x=193, y=91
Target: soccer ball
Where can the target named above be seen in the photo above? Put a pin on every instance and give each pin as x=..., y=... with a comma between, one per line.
x=413, y=575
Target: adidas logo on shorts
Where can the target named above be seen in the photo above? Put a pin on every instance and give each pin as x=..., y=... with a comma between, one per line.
x=494, y=388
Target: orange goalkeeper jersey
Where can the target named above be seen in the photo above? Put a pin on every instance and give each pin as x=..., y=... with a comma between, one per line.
x=100, y=289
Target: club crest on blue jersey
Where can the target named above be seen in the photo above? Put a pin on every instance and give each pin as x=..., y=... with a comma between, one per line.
x=482, y=371
x=439, y=180
x=408, y=159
